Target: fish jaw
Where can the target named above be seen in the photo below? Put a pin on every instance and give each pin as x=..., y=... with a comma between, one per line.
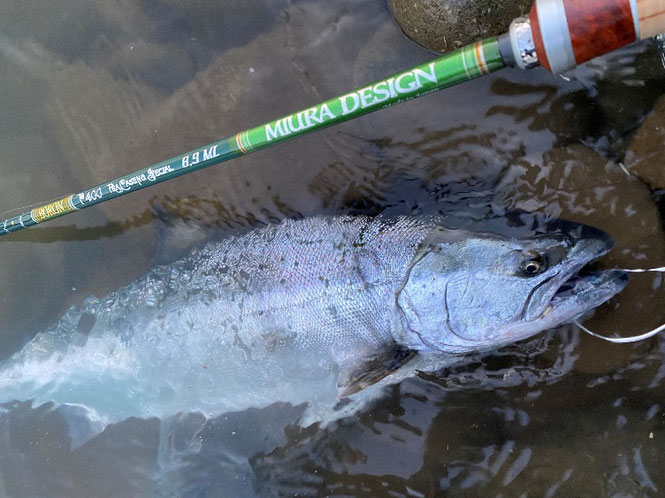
x=578, y=296
x=576, y=291
x=582, y=294
x=592, y=245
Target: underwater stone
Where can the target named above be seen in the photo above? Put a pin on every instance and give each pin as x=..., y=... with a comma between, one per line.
x=644, y=157
x=579, y=184
x=445, y=25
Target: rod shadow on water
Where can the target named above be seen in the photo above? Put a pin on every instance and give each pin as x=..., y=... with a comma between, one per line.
x=72, y=233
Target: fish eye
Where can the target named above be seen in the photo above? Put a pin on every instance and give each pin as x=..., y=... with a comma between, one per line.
x=534, y=265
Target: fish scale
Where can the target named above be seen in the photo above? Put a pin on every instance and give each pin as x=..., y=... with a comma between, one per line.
x=240, y=308
x=306, y=311
x=322, y=278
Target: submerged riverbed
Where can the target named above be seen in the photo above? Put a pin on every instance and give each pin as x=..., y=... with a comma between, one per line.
x=91, y=91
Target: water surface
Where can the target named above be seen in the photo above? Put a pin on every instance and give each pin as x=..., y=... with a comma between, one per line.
x=94, y=90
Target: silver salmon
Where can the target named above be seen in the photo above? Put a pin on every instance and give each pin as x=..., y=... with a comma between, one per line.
x=307, y=311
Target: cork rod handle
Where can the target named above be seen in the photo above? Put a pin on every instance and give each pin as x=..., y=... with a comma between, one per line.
x=569, y=32
x=651, y=16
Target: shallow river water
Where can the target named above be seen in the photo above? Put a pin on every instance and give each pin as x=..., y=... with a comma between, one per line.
x=92, y=90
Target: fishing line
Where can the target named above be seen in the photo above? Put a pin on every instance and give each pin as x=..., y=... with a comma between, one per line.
x=636, y=338
x=637, y=270
x=623, y=340
x=9, y=212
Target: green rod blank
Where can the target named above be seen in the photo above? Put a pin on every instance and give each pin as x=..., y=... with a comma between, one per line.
x=462, y=65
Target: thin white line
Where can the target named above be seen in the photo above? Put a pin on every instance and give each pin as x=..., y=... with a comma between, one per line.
x=654, y=270
x=623, y=340
x=556, y=35
x=466, y=69
x=483, y=62
x=239, y=144
x=70, y=201
x=636, y=19
x=625, y=170
x=250, y=147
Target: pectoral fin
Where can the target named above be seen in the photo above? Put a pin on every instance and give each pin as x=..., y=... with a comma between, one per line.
x=373, y=369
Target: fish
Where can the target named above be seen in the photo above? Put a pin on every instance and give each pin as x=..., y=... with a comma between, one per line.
x=312, y=311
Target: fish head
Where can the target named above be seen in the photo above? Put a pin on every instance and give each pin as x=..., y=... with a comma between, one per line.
x=467, y=291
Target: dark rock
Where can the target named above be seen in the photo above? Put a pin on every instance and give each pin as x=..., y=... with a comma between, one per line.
x=644, y=157
x=623, y=87
x=445, y=25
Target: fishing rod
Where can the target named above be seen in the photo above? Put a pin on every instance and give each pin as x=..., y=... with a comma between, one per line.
x=557, y=35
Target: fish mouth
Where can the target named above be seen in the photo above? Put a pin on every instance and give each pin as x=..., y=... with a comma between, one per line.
x=586, y=290
x=581, y=288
